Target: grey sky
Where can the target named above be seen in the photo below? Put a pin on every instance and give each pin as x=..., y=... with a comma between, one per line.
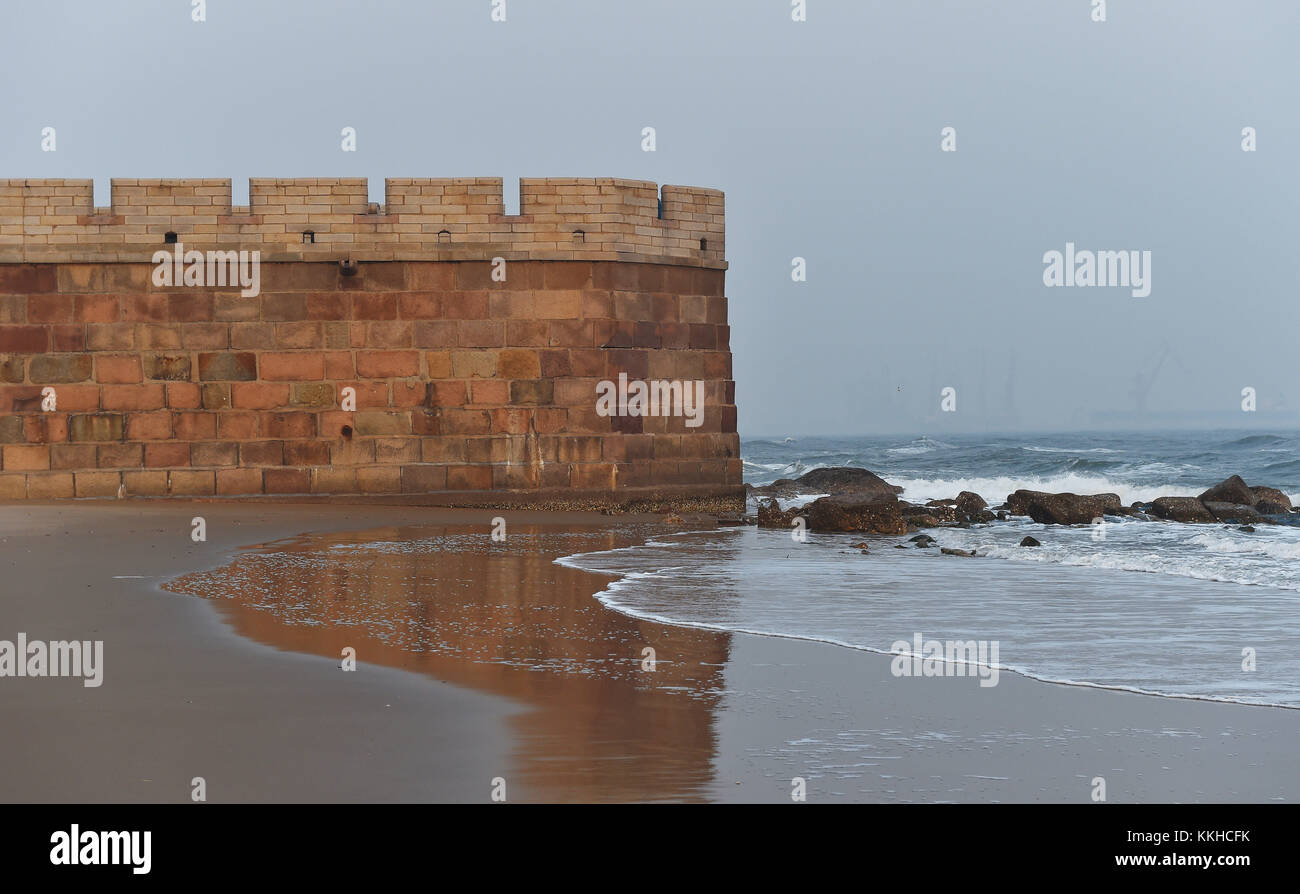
x=925, y=267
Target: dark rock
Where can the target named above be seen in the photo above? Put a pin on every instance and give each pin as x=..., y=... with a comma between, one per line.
x=834, y=481
x=1183, y=509
x=771, y=516
x=1268, y=507
x=1030, y=541
x=1002, y=515
x=942, y=503
x=1273, y=497
x=948, y=551
x=920, y=538
x=1230, y=490
x=1062, y=509
x=1247, y=529
x=970, y=504
x=869, y=513
x=1230, y=512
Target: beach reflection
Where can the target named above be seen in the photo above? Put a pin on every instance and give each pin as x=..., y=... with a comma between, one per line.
x=504, y=619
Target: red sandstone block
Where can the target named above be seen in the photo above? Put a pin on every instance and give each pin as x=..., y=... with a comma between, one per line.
x=13, y=487
x=232, y=306
x=238, y=426
x=489, y=392
x=528, y=333
x=301, y=334
x=435, y=334
x=587, y=363
x=353, y=452
x=283, y=307
x=276, y=366
x=559, y=305
x=18, y=458
x=511, y=420
x=97, y=484
x=518, y=363
x=552, y=364
x=339, y=365
x=426, y=422
x=13, y=309
x=289, y=425
x=51, y=486
x=417, y=479
x=110, y=336
x=512, y=306
x=469, y=477
x=432, y=275
x=23, y=279
x=49, y=309
x=389, y=451
x=24, y=339
x=419, y=306
x=145, y=484
x=46, y=428
x=299, y=276
x=389, y=334
x=557, y=475
x=568, y=275
x=189, y=306
x=286, y=481
x=634, y=363
x=331, y=423
x=594, y=476
x=216, y=396
x=410, y=393
x=465, y=306
x=333, y=481
x=193, y=482
x=68, y=337
x=306, y=453
x=437, y=364
x=147, y=307
x=120, y=456
x=449, y=393
x=133, y=397
x=378, y=422
x=491, y=449
x=482, y=334
x=244, y=336
x=261, y=453
x=548, y=420
x=442, y=450
x=237, y=482
x=378, y=306
x=368, y=394
x=388, y=364
x=575, y=392
x=74, y=398
x=329, y=306
x=158, y=336
x=205, y=336
x=258, y=395
x=149, y=426
x=118, y=368
x=166, y=456
x=465, y=422
x=184, y=396
x=573, y=333
x=72, y=456
x=194, y=426
x=227, y=366
x=214, y=453
x=379, y=480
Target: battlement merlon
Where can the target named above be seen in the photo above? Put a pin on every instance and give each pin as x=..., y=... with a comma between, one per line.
x=463, y=218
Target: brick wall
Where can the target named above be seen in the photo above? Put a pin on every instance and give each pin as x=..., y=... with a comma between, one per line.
x=467, y=389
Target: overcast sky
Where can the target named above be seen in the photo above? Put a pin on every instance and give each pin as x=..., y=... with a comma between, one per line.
x=925, y=268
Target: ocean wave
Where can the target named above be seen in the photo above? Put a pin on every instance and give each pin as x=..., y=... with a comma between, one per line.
x=918, y=446
x=1072, y=450
x=995, y=489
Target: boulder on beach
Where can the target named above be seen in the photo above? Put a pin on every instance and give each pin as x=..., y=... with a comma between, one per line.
x=1230, y=490
x=833, y=480
x=1271, y=501
x=870, y=513
x=1062, y=509
x=1232, y=512
x=1029, y=541
x=1181, y=509
x=949, y=551
x=771, y=516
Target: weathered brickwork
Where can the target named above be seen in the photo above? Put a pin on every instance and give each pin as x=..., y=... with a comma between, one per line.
x=466, y=388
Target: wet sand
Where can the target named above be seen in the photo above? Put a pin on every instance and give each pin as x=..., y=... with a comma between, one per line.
x=479, y=660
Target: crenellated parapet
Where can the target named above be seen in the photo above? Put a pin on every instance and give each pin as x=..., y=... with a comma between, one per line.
x=591, y=219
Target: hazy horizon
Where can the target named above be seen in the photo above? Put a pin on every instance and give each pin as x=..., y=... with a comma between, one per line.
x=924, y=267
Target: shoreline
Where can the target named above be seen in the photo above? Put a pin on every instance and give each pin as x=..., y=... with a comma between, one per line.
x=737, y=714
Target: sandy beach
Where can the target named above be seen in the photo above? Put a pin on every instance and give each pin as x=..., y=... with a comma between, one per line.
x=479, y=660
